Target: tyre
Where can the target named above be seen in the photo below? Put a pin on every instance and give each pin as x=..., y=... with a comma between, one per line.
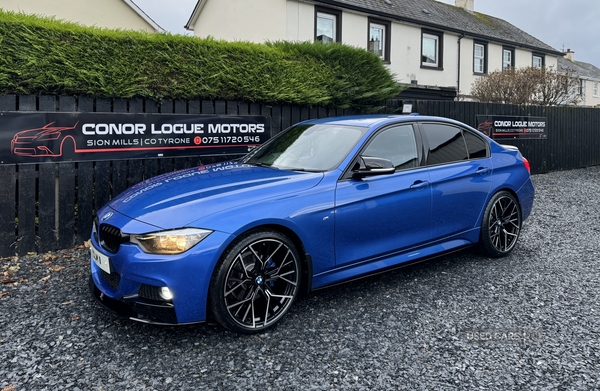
x=501, y=225
x=255, y=282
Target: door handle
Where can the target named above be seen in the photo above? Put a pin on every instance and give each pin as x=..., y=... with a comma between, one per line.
x=419, y=185
x=483, y=171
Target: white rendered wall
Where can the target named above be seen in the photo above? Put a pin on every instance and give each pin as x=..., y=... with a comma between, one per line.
x=104, y=13
x=234, y=20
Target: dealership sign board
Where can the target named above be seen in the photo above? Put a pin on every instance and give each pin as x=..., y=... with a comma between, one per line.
x=54, y=137
x=500, y=126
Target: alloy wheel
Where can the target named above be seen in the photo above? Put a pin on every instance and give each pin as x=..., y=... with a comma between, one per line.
x=504, y=224
x=261, y=283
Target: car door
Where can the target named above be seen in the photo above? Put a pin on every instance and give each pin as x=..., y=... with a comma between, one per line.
x=380, y=215
x=460, y=171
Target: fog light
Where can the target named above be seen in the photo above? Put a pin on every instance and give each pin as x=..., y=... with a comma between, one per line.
x=166, y=293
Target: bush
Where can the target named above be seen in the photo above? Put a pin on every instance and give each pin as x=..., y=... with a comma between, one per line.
x=46, y=56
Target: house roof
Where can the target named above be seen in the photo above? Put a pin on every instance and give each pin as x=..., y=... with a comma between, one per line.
x=195, y=14
x=144, y=15
x=434, y=14
x=578, y=68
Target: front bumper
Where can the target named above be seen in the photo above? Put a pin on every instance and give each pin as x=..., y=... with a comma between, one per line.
x=135, y=308
x=131, y=289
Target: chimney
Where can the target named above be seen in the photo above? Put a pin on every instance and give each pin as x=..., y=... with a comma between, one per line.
x=466, y=4
x=570, y=55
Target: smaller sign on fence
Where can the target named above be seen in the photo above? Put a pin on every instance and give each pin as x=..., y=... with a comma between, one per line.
x=499, y=126
x=54, y=136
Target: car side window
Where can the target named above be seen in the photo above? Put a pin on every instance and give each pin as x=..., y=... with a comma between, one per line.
x=397, y=144
x=475, y=145
x=446, y=144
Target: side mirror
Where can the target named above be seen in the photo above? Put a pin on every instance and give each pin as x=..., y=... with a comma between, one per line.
x=372, y=166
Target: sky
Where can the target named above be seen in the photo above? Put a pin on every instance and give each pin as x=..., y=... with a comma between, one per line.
x=562, y=24
x=171, y=15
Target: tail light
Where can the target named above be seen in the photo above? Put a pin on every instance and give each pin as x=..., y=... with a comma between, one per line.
x=527, y=165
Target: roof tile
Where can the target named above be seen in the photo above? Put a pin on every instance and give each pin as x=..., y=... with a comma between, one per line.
x=448, y=17
x=581, y=69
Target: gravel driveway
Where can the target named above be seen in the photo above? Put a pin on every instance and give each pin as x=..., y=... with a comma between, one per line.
x=463, y=321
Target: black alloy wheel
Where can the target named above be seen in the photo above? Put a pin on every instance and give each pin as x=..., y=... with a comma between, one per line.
x=256, y=282
x=501, y=225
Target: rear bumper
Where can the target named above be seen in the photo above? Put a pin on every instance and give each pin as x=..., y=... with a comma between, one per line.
x=526, y=196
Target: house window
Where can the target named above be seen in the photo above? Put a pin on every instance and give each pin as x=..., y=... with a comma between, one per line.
x=538, y=60
x=596, y=89
x=431, y=49
x=582, y=87
x=378, y=39
x=479, y=58
x=508, y=59
x=327, y=25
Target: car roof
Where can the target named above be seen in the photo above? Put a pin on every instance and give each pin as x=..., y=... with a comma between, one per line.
x=375, y=120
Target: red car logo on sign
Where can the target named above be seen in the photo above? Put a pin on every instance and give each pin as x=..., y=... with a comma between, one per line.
x=45, y=141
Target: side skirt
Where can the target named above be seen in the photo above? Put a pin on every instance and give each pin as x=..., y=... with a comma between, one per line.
x=380, y=265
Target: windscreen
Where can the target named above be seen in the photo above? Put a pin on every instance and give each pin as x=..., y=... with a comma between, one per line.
x=308, y=147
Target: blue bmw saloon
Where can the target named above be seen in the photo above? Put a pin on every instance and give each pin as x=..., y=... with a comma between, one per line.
x=322, y=202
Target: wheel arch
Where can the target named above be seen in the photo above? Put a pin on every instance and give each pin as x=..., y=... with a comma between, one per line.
x=484, y=242
x=234, y=245
x=512, y=192
x=67, y=139
x=306, y=259
x=491, y=195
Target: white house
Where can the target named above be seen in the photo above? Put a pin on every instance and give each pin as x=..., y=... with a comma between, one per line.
x=114, y=14
x=588, y=75
x=432, y=45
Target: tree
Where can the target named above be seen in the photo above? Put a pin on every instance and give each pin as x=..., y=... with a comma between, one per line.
x=539, y=86
x=554, y=88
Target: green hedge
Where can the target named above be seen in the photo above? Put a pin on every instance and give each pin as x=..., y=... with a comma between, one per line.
x=46, y=56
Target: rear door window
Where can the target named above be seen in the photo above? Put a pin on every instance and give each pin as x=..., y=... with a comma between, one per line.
x=446, y=144
x=476, y=146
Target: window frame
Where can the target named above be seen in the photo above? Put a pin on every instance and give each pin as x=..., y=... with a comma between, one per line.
x=386, y=46
x=477, y=136
x=596, y=88
x=417, y=156
x=336, y=15
x=542, y=58
x=439, y=36
x=512, y=58
x=483, y=58
x=427, y=146
x=429, y=160
x=348, y=171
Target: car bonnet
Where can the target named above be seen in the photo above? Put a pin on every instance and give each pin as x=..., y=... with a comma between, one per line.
x=176, y=199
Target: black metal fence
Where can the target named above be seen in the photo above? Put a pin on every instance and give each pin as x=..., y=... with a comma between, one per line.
x=50, y=206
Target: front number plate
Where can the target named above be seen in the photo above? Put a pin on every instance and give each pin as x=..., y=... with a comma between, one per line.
x=100, y=259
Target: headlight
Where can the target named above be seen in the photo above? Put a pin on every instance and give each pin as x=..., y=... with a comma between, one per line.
x=170, y=242
x=50, y=136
